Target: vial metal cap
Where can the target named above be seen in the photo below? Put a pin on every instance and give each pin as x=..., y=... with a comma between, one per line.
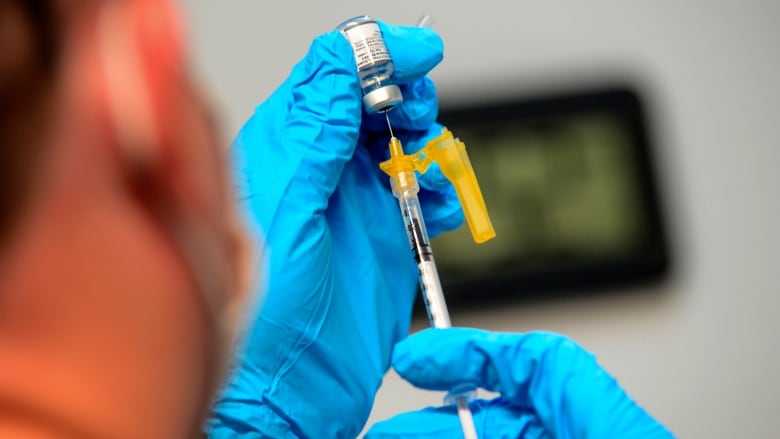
x=382, y=99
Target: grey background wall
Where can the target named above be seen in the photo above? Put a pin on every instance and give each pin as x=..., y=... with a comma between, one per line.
x=701, y=350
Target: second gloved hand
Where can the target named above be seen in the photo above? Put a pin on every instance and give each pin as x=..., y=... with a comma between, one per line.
x=549, y=386
x=341, y=280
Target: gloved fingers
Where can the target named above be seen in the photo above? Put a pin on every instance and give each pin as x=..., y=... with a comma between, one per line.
x=546, y=373
x=508, y=363
x=495, y=418
x=415, y=51
x=312, y=121
x=443, y=358
x=297, y=142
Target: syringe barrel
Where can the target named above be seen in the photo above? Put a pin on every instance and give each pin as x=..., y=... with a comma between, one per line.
x=435, y=305
x=405, y=188
x=403, y=181
x=438, y=315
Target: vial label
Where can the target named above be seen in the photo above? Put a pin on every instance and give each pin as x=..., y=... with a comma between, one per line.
x=368, y=45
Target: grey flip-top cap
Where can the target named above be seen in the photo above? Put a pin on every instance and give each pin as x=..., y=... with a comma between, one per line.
x=382, y=99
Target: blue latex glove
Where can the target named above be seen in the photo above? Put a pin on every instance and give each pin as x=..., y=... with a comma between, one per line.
x=341, y=279
x=549, y=385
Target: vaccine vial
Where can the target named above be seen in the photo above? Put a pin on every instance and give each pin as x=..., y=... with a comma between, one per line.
x=374, y=65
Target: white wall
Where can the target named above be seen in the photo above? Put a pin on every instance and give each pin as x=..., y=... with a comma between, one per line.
x=702, y=354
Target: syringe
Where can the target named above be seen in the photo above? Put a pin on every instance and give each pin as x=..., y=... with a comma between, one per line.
x=403, y=180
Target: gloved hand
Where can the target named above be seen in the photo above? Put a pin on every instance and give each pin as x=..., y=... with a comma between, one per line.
x=549, y=385
x=341, y=279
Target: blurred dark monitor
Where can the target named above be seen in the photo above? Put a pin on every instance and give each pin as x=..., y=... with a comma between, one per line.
x=568, y=180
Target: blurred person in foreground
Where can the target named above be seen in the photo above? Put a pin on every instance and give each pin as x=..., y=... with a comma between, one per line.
x=126, y=274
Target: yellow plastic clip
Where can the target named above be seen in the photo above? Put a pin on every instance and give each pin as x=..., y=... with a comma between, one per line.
x=450, y=153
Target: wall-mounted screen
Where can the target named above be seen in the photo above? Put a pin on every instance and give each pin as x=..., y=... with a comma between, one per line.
x=569, y=184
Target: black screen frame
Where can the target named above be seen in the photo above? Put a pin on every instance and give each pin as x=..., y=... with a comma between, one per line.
x=652, y=260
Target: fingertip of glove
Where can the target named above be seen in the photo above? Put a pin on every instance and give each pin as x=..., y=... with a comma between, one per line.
x=442, y=209
x=414, y=50
x=447, y=223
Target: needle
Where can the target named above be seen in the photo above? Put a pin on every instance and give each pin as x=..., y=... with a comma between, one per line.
x=387, y=116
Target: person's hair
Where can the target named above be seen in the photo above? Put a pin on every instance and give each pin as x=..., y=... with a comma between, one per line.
x=28, y=67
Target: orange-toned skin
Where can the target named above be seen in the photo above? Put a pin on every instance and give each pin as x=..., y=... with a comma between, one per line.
x=105, y=329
